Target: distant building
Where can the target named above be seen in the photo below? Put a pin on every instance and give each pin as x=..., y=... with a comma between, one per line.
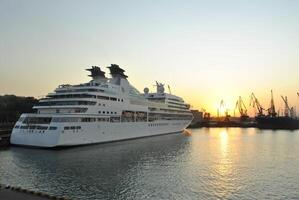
x=198, y=117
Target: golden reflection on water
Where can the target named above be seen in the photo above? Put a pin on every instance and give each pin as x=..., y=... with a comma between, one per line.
x=223, y=137
x=224, y=166
x=224, y=147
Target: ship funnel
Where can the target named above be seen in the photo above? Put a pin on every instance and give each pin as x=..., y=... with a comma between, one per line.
x=96, y=73
x=116, y=71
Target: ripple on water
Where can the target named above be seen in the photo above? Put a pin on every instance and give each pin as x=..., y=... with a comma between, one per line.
x=209, y=164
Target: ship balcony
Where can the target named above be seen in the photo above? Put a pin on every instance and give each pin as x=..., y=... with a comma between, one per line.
x=89, y=98
x=65, y=102
x=61, y=106
x=81, y=88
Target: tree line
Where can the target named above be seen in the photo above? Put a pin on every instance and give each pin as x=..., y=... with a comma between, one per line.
x=11, y=107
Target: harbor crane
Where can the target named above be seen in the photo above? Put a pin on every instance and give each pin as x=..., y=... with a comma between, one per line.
x=242, y=108
x=271, y=111
x=221, y=107
x=288, y=112
x=254, y=102
x=224, y=109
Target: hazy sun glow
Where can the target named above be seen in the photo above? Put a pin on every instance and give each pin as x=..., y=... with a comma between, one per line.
x=205, y=50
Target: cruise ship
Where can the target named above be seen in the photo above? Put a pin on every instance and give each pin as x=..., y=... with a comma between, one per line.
x=102, y=110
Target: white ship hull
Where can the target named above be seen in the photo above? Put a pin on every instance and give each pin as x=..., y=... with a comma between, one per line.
x=92, y=133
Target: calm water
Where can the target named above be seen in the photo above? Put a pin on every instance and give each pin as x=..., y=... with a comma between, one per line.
x=210, y=164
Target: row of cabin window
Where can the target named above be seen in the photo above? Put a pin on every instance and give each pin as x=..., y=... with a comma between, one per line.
x=173, y=111
x=175, y=100
x=37, y=127
x=109, y=98
x=178, y=104
x=101, y=119
x=89, y=119
x=124, y=119
x=35, y=120
x=65, y=103
x=107, y=112
x=76, y=119
x=130, y=118
x=160, y=116
x=151, y=119
x=72, y=128
x=182, y=108
x=86, y=96
x=65, y=96
x=79, y=110
x=80, y=90
x=161, y=124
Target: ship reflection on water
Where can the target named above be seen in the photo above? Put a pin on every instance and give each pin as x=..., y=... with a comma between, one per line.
x=101, y=171
x=208, y=164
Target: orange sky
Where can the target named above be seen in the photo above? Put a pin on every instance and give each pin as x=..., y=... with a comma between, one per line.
x=206, y=51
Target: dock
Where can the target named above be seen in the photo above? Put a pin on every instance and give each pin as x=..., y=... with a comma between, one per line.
x=223, y=124
x=5, y=132
x=202, y=120
x=5, y=138
x=13, y=193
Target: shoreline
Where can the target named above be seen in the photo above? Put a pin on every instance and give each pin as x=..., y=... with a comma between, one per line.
x=12, y=193
x=5, y=138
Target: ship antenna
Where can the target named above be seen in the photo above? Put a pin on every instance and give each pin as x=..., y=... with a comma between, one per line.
x=169, y=89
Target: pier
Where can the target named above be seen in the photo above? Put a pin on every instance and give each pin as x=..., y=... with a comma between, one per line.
x=202, y=120
x=12, y=193
x=4, y=138
x=5, y=132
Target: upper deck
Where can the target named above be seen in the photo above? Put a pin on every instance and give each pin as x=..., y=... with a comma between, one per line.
x=113, y=95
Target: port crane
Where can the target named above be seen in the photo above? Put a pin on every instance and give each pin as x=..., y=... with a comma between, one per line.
x=256, y=104
x=224, y=109
x=221, y=107
x=242, y=108
x=271, y=111
x=288, y=112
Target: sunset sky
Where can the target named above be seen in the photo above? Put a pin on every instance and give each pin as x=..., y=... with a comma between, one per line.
x=205, y=50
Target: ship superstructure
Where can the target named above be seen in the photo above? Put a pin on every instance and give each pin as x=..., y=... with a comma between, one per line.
x=102, y=110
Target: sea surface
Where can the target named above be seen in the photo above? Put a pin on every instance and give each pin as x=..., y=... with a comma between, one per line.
x=215, y=163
